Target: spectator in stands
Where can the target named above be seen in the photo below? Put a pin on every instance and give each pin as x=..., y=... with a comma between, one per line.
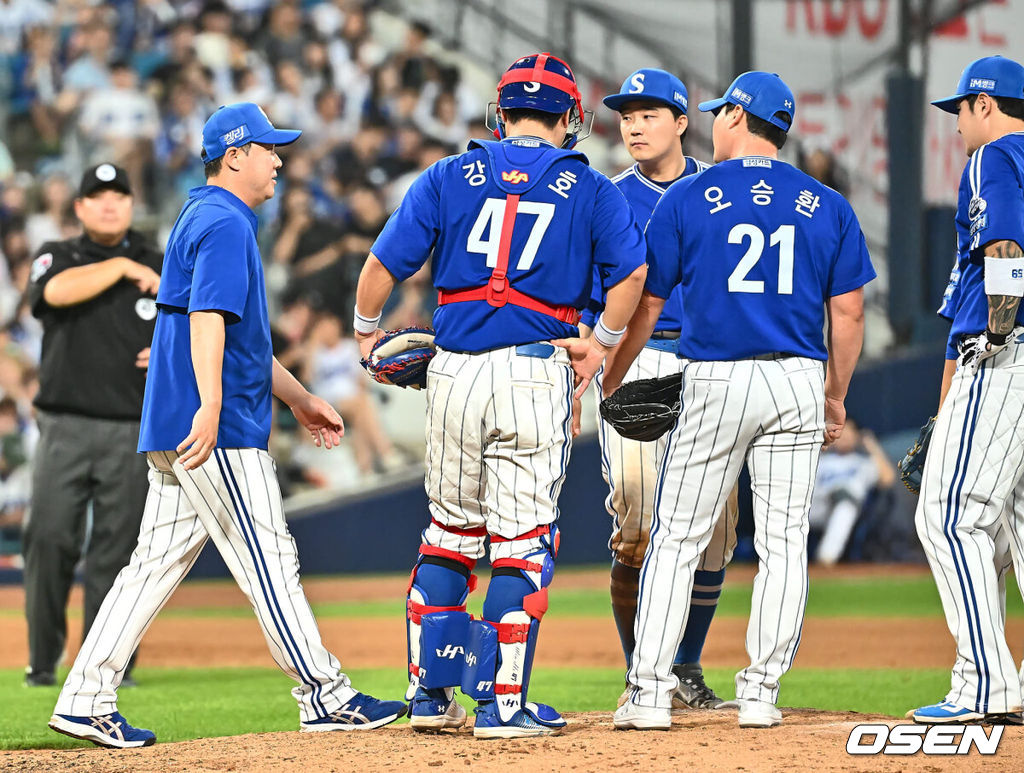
x=181, y=132
x=333, y=369
x=15, y=480
x=121, y=122
x=848, y=472
x=821, y=165
x=54, y=218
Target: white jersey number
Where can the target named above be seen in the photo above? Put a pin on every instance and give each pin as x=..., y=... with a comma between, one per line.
x=784, y=236
x=490, y=221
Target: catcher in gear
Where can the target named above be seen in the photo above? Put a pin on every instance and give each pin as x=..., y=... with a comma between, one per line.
x=516, y=229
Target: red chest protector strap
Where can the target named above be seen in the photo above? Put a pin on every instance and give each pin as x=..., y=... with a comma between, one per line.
x=497, y=292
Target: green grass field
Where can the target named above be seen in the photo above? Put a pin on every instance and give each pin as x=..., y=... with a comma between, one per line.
x=189, y=703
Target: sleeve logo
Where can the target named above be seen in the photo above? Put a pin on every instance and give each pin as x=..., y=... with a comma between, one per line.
x=41, y=265
x=976, y=207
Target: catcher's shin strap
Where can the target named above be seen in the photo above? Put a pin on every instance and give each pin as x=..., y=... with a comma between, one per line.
x=498, y=291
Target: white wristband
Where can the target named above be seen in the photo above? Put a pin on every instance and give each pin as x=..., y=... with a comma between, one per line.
x=364, y=325
x=1004, y=276
x=605, y=336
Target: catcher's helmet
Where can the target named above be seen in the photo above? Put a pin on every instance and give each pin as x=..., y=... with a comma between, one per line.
x=546, y=83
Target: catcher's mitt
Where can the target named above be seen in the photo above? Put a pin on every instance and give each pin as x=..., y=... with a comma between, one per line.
x=401, y=357
x=645, y=409
x=911, y=466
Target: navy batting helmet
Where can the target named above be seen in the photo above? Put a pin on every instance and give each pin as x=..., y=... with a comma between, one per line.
x=546, y=83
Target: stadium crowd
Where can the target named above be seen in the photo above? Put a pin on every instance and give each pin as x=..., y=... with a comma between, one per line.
x=132, y=83
x=84, y=82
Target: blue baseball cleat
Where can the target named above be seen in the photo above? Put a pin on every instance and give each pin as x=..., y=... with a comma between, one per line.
x=944, y=713
x=110, y=730
x=532, y=720
x=436, y=709
x=360, y=712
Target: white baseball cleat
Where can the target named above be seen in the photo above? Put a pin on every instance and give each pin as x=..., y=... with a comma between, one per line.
x=759, y=714
x=629, y=716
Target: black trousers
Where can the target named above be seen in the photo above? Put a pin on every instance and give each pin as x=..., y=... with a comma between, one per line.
x=79, y=460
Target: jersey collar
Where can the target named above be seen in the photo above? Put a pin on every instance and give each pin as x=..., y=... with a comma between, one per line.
x=660, y=186
x=224, y=196
x=527, y=139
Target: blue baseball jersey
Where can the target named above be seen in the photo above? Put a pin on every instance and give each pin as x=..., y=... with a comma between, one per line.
x=212, y=263
x=570, y=222
x=990, y=207
x=758, y=247
x=643, y=194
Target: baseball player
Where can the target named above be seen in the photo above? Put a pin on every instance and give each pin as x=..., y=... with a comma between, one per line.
x=972, y=479
x=516, y=227
x=205, y=425
x=761, y=250
x=652, y=107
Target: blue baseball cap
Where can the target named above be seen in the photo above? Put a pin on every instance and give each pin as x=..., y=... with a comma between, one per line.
x=996, y=76
x=235, y=125
x=650, y=85
x=762, y=94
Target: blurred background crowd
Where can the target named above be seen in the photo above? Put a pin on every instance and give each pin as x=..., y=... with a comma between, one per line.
x=378, y=98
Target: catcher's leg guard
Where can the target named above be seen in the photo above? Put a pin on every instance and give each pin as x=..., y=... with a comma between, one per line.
x=500, y=649
x=437, y=629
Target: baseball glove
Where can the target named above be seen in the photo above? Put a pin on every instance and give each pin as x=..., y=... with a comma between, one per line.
x=401, y=357
x=646, y=409
x=911, y=466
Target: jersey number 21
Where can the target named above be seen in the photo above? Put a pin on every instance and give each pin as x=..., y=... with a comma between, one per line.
x=784, y=236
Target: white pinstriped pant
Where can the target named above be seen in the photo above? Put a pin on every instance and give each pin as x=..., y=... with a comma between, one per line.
x=233, y=499
x=498, y=443
x=630, y=468
x=769, y=413
x=973, y=484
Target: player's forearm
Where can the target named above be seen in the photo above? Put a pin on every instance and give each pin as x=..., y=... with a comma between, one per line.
x=374, y=288
x=623, y=298
x=82, y=283
x=638, y=331
x=1002, y=306
x=285, y=386
x=947, y=379
x=845, y=338
x=207, y=336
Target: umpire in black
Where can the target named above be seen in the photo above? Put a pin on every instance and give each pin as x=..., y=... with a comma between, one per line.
x=95, y=295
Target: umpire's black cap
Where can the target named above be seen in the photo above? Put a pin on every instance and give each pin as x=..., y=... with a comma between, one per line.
x=103, y=176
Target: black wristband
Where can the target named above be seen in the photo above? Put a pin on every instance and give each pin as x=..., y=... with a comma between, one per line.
x=996, y=338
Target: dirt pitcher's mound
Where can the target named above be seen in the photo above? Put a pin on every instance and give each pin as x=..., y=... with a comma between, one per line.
x=808, y=740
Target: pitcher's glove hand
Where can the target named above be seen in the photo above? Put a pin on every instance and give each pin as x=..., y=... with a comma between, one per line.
x=646, y=409
x=401, y=357
x=911, y=466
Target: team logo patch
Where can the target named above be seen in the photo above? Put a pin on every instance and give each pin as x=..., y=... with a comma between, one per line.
x=976, y=207
x=515, y=177
x=41, y=265
x=106, y=172
x=233, y=136
x=146, y=309
x=742, y=96
x=982, y=83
